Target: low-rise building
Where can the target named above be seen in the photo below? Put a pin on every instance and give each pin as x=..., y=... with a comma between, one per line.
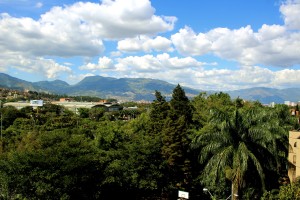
x=72, y=105
x=18, y=105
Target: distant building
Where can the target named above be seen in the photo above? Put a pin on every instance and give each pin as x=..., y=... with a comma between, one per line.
x=290, y=103
x=65, y=99
x=74, y=105
x=69, y=104
x=18, y=105
x=272, y=104
x=36, y=103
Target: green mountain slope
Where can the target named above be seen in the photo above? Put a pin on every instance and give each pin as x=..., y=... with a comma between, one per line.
x=135, y=89
x=8, y=81
x=123, y=88
x=126, y=89
x=56, y=86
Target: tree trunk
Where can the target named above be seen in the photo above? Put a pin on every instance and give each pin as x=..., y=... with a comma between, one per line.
x=234, y=191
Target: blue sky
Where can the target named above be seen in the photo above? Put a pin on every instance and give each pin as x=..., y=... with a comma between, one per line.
x=208, y=45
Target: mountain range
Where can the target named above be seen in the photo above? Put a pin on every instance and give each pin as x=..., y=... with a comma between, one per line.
x=137, y=89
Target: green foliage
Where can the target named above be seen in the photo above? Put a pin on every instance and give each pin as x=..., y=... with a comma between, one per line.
x=9, y=114
x=290, y=192
x=129, y=104
x=146, y=153
x=286, y=192
x=180, y=104
x=128, y=114
x=219, y=100
x=244, y=140
x=27, y=111
x=202, y=109
x=158, y=113
x=52, y=108
x=63, y=165
x=83, y=112
x=285, y=119
x=96, y=113
x=131, y=157
x=203, y=104
x=175, y=140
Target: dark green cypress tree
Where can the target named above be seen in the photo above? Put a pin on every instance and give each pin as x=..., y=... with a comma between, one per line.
x=180, y=104
x=175, y=138
x=158, y=113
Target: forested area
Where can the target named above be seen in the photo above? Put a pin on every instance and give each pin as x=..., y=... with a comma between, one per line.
x=210, y=141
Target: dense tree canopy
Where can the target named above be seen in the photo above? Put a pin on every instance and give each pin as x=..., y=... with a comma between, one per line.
x=148, y=152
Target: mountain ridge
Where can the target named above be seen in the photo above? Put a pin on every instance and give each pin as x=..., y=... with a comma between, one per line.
x=137, y=89
x=267, y=95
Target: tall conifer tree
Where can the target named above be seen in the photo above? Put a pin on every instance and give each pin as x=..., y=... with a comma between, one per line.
x=175, y=140
x=180, y=104
x=159, y=112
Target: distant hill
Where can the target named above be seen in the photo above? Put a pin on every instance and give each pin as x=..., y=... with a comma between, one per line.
x=135, y=89
x=267, y=95
x=57, y=86
x=126, y=89
x=15, y=83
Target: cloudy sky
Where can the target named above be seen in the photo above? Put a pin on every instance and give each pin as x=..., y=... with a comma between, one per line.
x=207, y=44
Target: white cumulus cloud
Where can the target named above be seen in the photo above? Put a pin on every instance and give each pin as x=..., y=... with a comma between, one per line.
x=45, y=68
x=152, y=64
x=291, y=12
x=188, y=42
x=103, y=63
x=244, y=77
x=43, y=38
x=145, y=43
x=78, y=30
x=271, y=45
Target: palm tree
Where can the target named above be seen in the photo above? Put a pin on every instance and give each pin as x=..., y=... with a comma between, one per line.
x=239, y=142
